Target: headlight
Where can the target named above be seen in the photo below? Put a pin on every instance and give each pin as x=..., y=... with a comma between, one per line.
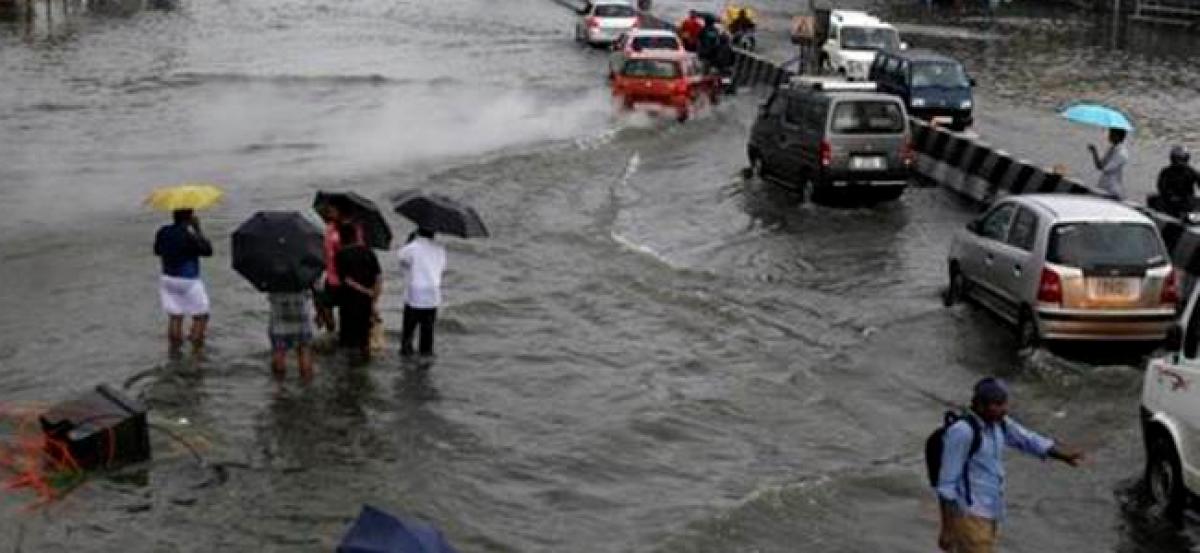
x=966, y=104
x=918, y=102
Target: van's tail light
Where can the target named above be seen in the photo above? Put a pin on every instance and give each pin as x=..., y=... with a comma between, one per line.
x=907, y=155
x=826, y=153
x=1170, y=289
x=1049, y=287
x=591, y=21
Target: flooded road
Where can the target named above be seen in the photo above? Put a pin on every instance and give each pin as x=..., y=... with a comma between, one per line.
x=651, y=353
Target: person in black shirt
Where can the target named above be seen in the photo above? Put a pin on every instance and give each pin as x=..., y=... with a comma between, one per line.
x=1177, y=184
x=361, y=287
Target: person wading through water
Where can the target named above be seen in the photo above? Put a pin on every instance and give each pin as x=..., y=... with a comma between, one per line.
x=970, y=481
x=180, y=245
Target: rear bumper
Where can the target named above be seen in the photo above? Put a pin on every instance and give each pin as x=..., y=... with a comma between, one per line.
x=603, y=35
x=960, y=116
x=677, y=102
x=846, y=177
x=1145, y=324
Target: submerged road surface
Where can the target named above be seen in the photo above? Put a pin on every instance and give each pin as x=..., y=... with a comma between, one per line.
x=650, y=354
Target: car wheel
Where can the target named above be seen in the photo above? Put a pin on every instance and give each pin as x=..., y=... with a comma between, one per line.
x=957, y=289
x=1028, y=336
x=684, y=113
x=889, y=194
x=1164, y=480
x=816, y=190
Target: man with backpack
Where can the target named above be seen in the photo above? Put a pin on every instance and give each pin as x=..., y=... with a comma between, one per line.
x=966, y=467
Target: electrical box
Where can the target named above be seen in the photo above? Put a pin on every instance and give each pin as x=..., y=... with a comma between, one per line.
x=102, y=429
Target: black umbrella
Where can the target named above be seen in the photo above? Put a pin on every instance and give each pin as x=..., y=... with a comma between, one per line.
x=279, y=251
x=361, y=211
x=439, y=213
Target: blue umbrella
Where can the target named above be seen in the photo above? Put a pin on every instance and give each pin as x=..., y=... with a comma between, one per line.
x=378, y=532
x=1097, y=115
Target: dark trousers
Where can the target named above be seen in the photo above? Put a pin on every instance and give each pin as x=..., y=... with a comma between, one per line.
x=414, y=317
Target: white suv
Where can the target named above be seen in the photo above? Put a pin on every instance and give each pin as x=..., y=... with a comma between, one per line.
x=853, y=38
x=1171, y=418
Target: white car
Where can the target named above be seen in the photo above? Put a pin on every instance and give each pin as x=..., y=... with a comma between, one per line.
x=642, y=40
x=1170, y=415
x=852, y=40
x=603, y=21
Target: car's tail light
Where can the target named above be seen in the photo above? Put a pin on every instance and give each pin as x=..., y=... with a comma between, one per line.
x=826, y=153
x=591, y=21
x=1049, y=287
x=681, y=88
x=1170, y=289
x=907, y=155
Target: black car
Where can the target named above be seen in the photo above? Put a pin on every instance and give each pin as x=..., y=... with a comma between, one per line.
x=933, y=86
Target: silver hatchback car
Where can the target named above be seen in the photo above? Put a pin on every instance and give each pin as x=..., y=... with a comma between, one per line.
x=1066, y=267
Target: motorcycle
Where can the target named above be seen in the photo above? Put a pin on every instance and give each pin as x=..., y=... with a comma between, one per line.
x=745, y=40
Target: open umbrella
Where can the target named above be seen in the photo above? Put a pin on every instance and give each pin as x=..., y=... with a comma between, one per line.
x=439, y=213
x=1097, y=115
x=279, y=251
x=362, y=212
x=378, y=532
x=184, y=196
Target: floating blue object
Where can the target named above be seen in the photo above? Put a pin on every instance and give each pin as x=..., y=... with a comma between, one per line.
x=1098, y=116
x=378, y=532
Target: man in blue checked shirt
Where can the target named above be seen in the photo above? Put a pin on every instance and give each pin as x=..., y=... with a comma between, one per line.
x=970, y=486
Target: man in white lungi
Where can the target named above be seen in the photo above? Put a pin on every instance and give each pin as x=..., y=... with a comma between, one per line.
x=180, y=245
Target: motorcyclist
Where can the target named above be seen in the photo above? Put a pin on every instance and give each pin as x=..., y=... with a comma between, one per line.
x=1177, y=184
x=742, y=28
x=689, y=30
x=708, y=40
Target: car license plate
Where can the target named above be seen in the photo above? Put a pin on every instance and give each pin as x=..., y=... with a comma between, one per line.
x=943, y=120
x=1113, y=288
x=868, y=163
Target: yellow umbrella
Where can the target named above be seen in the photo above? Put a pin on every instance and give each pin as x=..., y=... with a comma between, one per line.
x=184, y=196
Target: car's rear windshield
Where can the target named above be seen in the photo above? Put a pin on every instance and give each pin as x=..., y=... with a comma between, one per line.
x=946, y=74
x=1085, y=245
x=614, y=10
x=651, y=69
x=655, y=43
x=867, y=117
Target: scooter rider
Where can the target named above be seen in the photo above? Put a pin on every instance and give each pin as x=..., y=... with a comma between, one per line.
x=742, y=28
x=1177, y=184
x=709, y=39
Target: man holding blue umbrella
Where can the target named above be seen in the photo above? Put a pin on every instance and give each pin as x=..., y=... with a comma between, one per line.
x=1112, y=164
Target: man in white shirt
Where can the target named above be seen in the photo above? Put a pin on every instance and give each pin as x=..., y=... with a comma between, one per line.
x=1112, y=165
x=425, y=261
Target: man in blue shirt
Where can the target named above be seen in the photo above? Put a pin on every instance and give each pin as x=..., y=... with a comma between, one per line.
x=180, y=245
x=970, y=486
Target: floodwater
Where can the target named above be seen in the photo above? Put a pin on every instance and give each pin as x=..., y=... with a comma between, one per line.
x=650, y=354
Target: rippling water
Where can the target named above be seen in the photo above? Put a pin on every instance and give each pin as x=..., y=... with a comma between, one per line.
x=651, y=354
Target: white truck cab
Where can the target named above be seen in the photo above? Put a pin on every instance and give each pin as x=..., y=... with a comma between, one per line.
x=851, y=40
x=1170, y=413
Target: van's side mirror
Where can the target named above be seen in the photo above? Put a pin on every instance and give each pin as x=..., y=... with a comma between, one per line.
x=1174, y=339
x=974, y=226
x=971, y=81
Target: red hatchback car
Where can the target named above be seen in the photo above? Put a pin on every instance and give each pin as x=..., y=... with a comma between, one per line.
x=669, y=80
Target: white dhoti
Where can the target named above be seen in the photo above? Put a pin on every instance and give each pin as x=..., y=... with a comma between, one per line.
x=183, y=296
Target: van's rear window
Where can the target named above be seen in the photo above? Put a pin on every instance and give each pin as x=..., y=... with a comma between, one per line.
x=1097, y=244
x=654, y=69
x=867, y=117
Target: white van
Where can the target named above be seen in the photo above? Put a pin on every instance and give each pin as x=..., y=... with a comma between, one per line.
x=851, y=41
